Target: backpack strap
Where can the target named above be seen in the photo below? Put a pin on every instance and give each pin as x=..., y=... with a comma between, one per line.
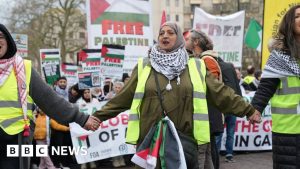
x=211, y=57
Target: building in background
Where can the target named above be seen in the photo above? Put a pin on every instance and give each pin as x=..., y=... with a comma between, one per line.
x=181, y=12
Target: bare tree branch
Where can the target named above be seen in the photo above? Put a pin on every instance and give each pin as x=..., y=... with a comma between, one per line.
x=49, y=24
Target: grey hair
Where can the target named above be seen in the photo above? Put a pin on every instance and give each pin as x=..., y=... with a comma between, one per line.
x=119, y=83
x=205, y=43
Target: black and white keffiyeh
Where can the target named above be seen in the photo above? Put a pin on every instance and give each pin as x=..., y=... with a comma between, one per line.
x=169, y=64
x=280, y=65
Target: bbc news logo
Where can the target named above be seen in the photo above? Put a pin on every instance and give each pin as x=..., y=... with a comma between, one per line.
x=43, y=151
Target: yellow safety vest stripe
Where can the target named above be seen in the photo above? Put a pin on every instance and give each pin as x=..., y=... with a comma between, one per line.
x=285, y=106
x=201, y=122
x=11, y=117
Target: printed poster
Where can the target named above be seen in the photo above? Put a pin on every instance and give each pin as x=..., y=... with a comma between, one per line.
x=226, y=32
x=50, y=64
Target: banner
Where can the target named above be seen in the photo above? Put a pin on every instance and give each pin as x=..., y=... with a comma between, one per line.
x=249, y=136
x=112, y=59
x=119, y=22
x=89, y=59
x=132, y=54
x=90, y=108
x=50, y=64
x=226, y=32
x=70, y=72
x=88, y=80
x=108, y=141
x=274, y=10
x=21, y=41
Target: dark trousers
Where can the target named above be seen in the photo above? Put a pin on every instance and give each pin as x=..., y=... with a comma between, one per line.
x=13, y=162
x=7, y=162
x=214, y=152
x=58, y=139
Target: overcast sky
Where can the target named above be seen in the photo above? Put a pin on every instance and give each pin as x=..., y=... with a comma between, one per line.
x=5, y=6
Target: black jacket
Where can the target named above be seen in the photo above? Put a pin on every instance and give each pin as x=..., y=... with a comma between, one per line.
x=265, y=91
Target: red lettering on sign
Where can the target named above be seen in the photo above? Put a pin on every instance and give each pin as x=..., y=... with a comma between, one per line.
x=106, y=25
x=121, y=27
x=267, y=125
x=246, y=125
x=139, y=28
x=103, y=126
x=94, y=63
x=113, y=60
x=129, y=28
x=255, y=127
x=114, y=121
x=124, y=118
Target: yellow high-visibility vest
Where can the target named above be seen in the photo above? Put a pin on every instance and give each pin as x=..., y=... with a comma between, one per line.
x=285, y=106
x=248, y=79
x=197, y=71
x=11, y=115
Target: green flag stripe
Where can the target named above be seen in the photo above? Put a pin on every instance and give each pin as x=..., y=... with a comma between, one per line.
x=79, y=142
x=66, y=70
x=162, y=147
x=92, y=59
x=155, y=136
x=50, y=59
x=114, y=56
x=252, y=38
x=120, y=16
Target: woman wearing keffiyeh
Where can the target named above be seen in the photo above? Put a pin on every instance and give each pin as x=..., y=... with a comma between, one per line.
x=280, y=83
x=165, y=99
x=20, y=86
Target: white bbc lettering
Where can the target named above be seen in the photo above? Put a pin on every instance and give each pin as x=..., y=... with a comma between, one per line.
x=41, y=150
x=64, y=150
x=12, y=151
x=27, y=150
x=55, y=150
x=78, y=151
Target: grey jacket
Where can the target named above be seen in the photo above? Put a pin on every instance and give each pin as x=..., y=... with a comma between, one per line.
x=52, y=104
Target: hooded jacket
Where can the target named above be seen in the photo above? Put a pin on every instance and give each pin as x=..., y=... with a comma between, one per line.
x=11, y=45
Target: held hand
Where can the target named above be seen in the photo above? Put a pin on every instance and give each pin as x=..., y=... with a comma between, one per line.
x=255, y=117
x=92, y=123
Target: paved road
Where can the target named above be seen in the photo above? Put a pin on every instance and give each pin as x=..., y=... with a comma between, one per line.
x=256, y=160
x=243, y=160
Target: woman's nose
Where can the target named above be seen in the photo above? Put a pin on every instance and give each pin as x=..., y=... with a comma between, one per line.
x=165, y=35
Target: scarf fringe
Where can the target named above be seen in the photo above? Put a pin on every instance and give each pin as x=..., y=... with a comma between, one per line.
x=16, y=63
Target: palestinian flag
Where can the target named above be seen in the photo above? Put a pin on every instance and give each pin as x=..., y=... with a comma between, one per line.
x=49, y=55
x=253, y=37
x=162, y=142
x=89, y=55
x=69, y=69
x=113, y=53
x=147, y=153
x=84, y=141
x=112, y=10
